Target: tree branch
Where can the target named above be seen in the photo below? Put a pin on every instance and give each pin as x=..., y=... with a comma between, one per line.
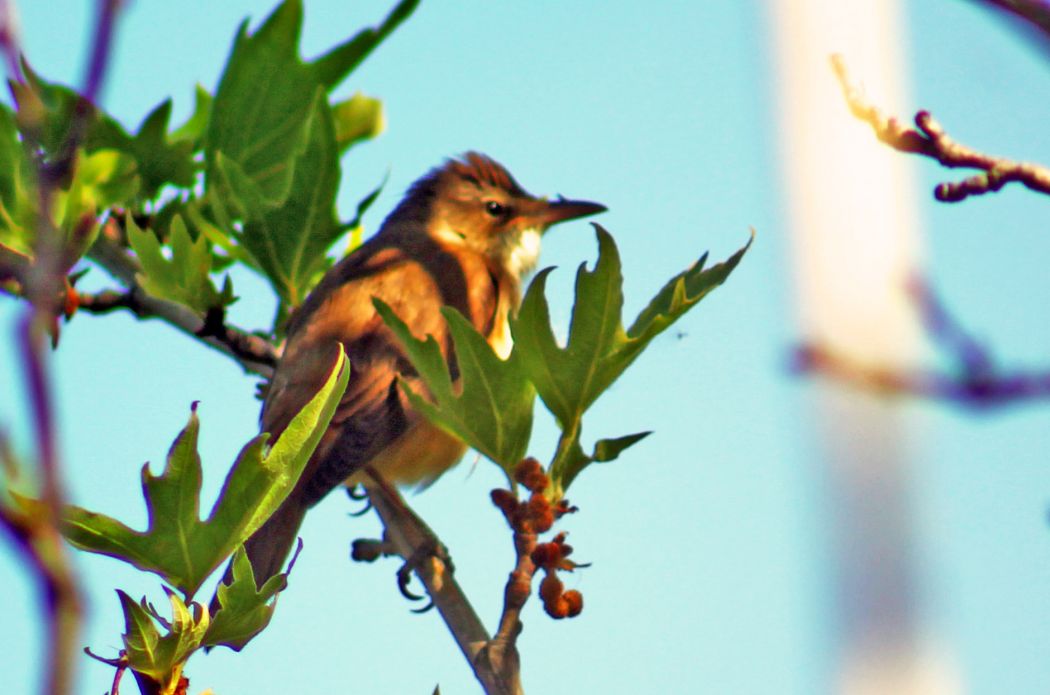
x=43, y=281
x=45, y=552
x=411, y=538
x=253, y=353
x=976, y=381
x=929, y=140
x=979, y=392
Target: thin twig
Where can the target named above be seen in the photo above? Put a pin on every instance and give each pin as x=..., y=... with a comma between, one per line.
x=987, y=391
x=253, y=353
x=974, y=382
x=929, y=140
x=96, y=68
x=501, y=653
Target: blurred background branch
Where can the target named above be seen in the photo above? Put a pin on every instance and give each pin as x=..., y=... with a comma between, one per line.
x=929, y=139
x=36, y=532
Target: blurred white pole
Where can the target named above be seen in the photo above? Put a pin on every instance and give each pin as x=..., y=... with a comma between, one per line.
x=853, y=220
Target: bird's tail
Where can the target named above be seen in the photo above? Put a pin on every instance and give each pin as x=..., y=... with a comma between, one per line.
x=269, y=547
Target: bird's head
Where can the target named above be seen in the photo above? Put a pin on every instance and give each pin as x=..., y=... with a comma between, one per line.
x=476, y=203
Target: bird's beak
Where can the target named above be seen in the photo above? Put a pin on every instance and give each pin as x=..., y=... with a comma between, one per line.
x=550, y=212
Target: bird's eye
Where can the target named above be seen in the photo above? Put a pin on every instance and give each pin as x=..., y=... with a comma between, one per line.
x=495, y=209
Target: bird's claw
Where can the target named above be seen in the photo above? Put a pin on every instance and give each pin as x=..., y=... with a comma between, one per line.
x=431, y=549
x=404, y=578
x=358, y=493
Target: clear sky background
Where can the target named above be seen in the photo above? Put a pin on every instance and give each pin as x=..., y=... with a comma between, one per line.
x=709, y=541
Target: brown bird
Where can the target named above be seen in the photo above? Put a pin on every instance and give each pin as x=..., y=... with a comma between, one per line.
x=465, y=235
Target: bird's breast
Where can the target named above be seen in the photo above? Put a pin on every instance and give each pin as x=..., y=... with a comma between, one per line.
x=417, y=457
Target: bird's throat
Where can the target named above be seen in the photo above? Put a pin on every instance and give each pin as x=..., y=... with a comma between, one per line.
x=522, y=252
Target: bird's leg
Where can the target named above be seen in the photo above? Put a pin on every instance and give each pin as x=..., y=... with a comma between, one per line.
x=424, y=543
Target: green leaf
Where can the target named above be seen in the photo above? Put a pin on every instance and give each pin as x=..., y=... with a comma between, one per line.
x=333, y=67
x=161, y=656
x=264, y=99
x=176, y=544
x=273, y=144
x=18, y=197
x=101, y=178
x=356, y=119
x=678, y=296
x=193, y=129
x=491, y=410
x=244, y=611
x=244, y=194
x=217, y=237
x=573, y=460
x=185, y=277
x=289, y=241
x=610, y=449
x=46, y=112
x=161, y=161
x=569, y=379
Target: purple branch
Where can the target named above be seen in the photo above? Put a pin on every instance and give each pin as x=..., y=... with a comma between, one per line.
x=38, y=535
x=96, y=69
x=975, y=360
x=9, y=43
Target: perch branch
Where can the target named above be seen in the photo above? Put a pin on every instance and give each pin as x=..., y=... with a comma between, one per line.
x=410, y=538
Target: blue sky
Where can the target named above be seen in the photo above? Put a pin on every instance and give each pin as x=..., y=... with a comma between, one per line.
x=710, y=542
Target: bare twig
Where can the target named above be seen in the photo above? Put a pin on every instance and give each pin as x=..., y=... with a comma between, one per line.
x=500, y=654
x=929, y=140
x=991, y=390
x=96, y=68
x=975, y=381
x=37, y=533
x=253, y=353
x=495, y=662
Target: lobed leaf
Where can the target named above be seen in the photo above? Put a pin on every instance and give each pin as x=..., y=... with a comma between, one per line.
x=185, y=277
x=490, y=408
x=46, y=111
x=273, y=145
x=193, y=129
x=176, y=544
x=356, y=119
x=244, y=610
x=569, y=379
x=18, y=199
x=333, y=67
x=161, y=656
x=289, y=240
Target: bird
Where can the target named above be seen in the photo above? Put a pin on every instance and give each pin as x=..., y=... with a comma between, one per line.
x=465, y=235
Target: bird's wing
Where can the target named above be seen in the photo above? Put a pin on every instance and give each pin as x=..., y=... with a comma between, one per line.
x=371, y=413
